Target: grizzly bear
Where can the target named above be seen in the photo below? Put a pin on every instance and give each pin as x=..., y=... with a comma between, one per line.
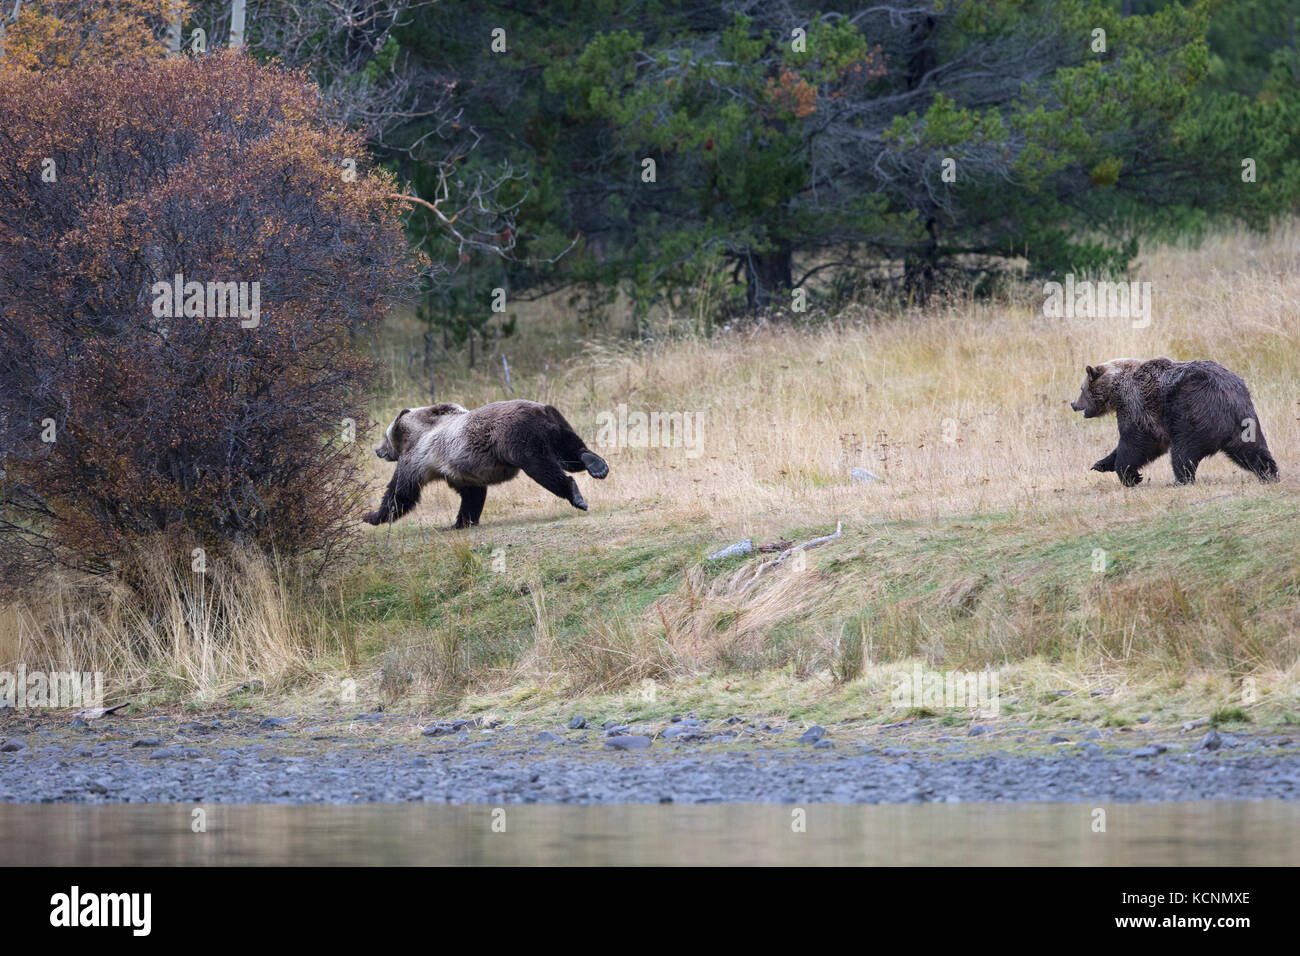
x=471, y=450
x=1189, y=409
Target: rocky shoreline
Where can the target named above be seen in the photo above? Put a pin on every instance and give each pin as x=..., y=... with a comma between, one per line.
x=235, y=757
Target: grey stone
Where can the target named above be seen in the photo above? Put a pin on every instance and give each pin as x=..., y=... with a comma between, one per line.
x=733, y=550
x=166, y=753
x=1211, y=741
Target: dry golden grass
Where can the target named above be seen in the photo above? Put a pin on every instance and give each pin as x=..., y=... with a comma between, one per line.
x=786, y=413
x=190, y=636
x=963, y=411
x=972, y=552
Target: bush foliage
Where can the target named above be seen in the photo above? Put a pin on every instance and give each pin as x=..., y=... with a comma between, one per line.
x=119, y=421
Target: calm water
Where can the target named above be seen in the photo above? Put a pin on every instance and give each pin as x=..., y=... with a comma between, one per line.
x=1208, y=833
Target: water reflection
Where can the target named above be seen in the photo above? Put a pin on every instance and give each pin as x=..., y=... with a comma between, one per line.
x=1259, y=833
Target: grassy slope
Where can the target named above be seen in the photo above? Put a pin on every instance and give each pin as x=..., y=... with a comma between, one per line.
x=976, y=551
x=1184, y=594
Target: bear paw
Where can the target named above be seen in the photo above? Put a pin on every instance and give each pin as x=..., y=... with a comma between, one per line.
x=595, y=465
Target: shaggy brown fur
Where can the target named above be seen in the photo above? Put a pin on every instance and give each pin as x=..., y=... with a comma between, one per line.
x=471, y=450
x=1190, y=409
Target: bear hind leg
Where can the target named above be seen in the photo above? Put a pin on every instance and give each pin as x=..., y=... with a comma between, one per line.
x=575, y=456
x=595, y=465
x=587, y=461
x=551, y=476
x=1254, y=457
x=1184, y=460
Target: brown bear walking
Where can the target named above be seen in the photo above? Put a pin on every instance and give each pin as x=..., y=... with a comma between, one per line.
x=1189, y=409
x=471, y=450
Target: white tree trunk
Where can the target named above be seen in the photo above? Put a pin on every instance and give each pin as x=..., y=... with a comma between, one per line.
x=18, y=6
x=174, y=35
x=236, y=24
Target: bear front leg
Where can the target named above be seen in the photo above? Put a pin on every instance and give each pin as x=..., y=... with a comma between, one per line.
x=1126, y=467
x=1105, y=464
x=1133, y=452
x=471, y=506
x=401, y=495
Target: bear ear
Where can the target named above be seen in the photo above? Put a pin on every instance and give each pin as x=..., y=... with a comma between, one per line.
x=402, y=412
x=1093, y=373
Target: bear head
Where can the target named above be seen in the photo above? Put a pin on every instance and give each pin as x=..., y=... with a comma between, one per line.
x=409, y=425
x=1096, y=397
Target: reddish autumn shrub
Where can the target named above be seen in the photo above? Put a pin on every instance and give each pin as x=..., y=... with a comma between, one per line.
x=57, y=34
x=123, y=418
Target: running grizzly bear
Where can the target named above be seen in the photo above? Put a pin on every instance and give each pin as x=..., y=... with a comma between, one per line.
x=1189, y=409
x=471, y=450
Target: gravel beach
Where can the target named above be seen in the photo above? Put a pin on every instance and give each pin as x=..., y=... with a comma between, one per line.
x=360, y=758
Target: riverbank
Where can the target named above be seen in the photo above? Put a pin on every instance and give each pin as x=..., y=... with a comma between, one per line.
x=341, y=758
